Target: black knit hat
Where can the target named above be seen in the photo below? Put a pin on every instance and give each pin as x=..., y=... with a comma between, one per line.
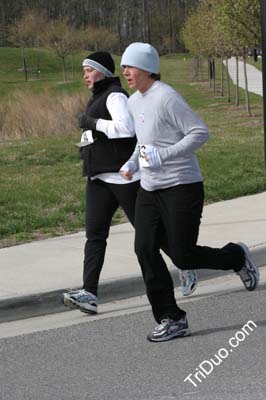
x=102, y=61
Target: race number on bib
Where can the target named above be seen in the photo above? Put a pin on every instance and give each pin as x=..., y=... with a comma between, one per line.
x=142, y=161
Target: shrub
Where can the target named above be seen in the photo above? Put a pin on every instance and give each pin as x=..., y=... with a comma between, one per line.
x=39, y=115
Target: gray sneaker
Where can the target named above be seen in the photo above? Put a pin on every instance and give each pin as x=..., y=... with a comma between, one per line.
x=81, y=299
x=249, y=274
x=189, y=281
x=169, y=329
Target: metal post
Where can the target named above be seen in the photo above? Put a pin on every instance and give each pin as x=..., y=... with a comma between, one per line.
x=263, y=44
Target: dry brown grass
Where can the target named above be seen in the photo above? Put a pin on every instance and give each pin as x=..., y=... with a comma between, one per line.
x=29, y=115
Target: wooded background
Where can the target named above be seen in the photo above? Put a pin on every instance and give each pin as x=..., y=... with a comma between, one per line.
x=155, y=21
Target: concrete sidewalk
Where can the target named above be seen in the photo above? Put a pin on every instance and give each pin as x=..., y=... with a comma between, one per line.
x=254, y=76
x=35, y=274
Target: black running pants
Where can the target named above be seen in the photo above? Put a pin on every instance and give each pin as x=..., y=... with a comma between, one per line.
x=176, y=213
x=102, y=200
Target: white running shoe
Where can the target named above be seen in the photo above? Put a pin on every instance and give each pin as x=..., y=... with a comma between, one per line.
x=249, y=274
x=169, y=329
x=189, y=281
x=81, y=299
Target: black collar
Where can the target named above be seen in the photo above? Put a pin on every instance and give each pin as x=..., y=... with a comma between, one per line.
x=102, y=85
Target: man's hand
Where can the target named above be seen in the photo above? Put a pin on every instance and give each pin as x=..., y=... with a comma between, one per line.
x=152, y=156
x=87, y=122
x=128, y=175
x=128, y=169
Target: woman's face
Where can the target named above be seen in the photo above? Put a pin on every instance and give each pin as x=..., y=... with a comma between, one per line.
x=91, y=75
x=137, y=78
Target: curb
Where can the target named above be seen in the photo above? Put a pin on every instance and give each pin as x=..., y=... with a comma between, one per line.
x=50, y=302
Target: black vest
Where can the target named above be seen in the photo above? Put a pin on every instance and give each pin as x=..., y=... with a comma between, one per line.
x=105, y=155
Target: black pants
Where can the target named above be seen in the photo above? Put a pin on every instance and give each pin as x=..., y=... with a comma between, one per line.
x=102, y=200
x=175, y=211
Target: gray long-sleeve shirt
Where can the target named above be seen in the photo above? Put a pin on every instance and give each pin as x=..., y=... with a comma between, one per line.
x=164, y=120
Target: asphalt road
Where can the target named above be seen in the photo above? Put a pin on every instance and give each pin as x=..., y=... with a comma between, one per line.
x=110, y=359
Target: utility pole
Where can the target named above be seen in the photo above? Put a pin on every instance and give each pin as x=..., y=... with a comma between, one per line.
x=263, y=46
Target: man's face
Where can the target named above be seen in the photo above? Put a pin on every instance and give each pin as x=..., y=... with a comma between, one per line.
x=91, y=75
x=137, y=78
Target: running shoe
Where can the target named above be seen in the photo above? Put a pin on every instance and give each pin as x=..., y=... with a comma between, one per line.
x=189, y=281
x=249, y=273
x=81, y=299
x=169, y=329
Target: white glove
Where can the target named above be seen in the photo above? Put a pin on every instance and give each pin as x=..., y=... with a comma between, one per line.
x=152, y=156
x=128, y=170
x=129, y=166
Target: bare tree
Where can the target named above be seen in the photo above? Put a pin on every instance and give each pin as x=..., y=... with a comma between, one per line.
x=26, y=32
x=99, y=39
x=60, y=37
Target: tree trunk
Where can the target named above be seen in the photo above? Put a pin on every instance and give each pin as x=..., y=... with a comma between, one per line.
x=64, y=68
x=170, y=50
x=237, y=82
x=24, y=65
x=228, y=82
x=37, y=67
x=201, y=68
x=222, y=76
x=210, y=72
x=213, y=75
x=246, y=83
x=119, y=17
x=149, y=20
x=196, y=67
x=25, y=69
x=72, y=68
x=22, y=57
x=144, y=20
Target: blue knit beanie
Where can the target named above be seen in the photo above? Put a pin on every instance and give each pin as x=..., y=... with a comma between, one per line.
x=142, y=56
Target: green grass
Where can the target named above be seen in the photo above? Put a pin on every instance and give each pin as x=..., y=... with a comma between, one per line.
x=257, y=64
x=42, y=191
x=41, y=187
x=12, y=76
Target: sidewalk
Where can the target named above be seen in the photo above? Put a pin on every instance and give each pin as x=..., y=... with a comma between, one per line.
x=254, y=76
x=36, y=273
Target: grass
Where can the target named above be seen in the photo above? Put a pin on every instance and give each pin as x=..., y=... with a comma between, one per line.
x=257, y=64
x=41, y=188
x=42, y=191
x=50, y=78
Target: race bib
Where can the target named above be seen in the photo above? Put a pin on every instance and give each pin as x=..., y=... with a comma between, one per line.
x=142, y=162
x=86, y=139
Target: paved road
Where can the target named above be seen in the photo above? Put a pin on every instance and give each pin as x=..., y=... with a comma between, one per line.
x=254, y=76
x=108, y=357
